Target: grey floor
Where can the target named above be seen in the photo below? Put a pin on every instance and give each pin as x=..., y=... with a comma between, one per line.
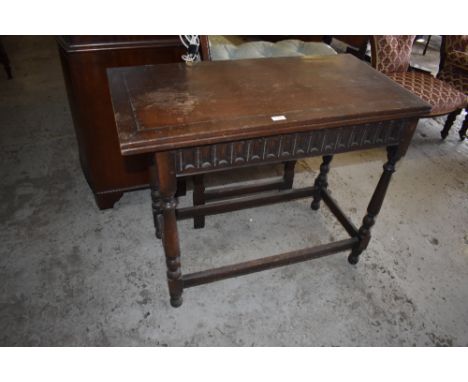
x=73, y=275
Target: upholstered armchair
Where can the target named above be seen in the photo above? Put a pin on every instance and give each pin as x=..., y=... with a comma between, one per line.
x=453, y=69
x=391, y=56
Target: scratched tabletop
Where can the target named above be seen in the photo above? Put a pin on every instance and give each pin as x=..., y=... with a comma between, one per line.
x=161, y=107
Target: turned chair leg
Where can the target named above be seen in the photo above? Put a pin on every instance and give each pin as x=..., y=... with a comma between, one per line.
x=374, y=205
x=462, y=131
x=321, y=182
x=449, y=122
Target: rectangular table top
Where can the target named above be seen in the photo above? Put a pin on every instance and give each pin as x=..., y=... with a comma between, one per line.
x=168, y=106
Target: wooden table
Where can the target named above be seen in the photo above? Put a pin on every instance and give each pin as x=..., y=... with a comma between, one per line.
x=213, y=116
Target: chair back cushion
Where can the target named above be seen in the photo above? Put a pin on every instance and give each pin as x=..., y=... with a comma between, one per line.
x=391, y=54
x=260, y=49
x=454, y=62
x=456, y=43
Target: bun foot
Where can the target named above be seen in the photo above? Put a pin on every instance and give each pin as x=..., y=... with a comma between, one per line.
x=199, y=222
x=159, y=226
x=315, y=206
x=176, y=302
x=353, y=259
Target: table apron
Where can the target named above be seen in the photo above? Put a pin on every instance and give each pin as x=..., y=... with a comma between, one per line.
x=286, y=147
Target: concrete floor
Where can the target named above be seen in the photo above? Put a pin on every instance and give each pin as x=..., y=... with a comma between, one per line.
x=73, y=275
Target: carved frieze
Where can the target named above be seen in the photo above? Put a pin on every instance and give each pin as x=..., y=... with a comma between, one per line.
x=289, y=146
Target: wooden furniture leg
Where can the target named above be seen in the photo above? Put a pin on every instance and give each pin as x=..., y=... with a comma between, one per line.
x=166, y=174
x=200, y=196
x=181, y=187
x=155, y=198
x=288, y=177
x=198, y=199
x=449, y=122
x=107, y=200
x=5, y=61
x=375, y=205
x=464, y=127
x=321, y=182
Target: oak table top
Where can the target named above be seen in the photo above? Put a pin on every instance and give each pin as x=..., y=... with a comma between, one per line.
x=167, y=106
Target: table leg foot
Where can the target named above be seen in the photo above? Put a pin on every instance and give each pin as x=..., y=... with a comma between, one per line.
x=158, y=227
x=321, y=182
x=353, y=258
x=315, y=205
x=199, y=222
x=176, y=302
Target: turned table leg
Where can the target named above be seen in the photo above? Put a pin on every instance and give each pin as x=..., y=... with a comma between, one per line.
x=288, y=176
x=375, y=205
x=155, y=198
x=198, y=199
x=165, y=167
x=321, y=182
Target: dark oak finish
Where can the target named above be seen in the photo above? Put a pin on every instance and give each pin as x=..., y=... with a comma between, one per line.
x=248, y=152
x=214, y=116
x=200, y=194
x=198, y=199
x=265, y=263
x=239, y=203
x=155, y=198
x=321, y=182
x=84, y=62
x=339, y=214
x=288, y=176
x=226, y=101
x=5, y=61
x=164, y=162
x=375, y=205
x=231, y=191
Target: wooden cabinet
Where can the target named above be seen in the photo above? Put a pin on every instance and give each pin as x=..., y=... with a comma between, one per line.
x=84, y=61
